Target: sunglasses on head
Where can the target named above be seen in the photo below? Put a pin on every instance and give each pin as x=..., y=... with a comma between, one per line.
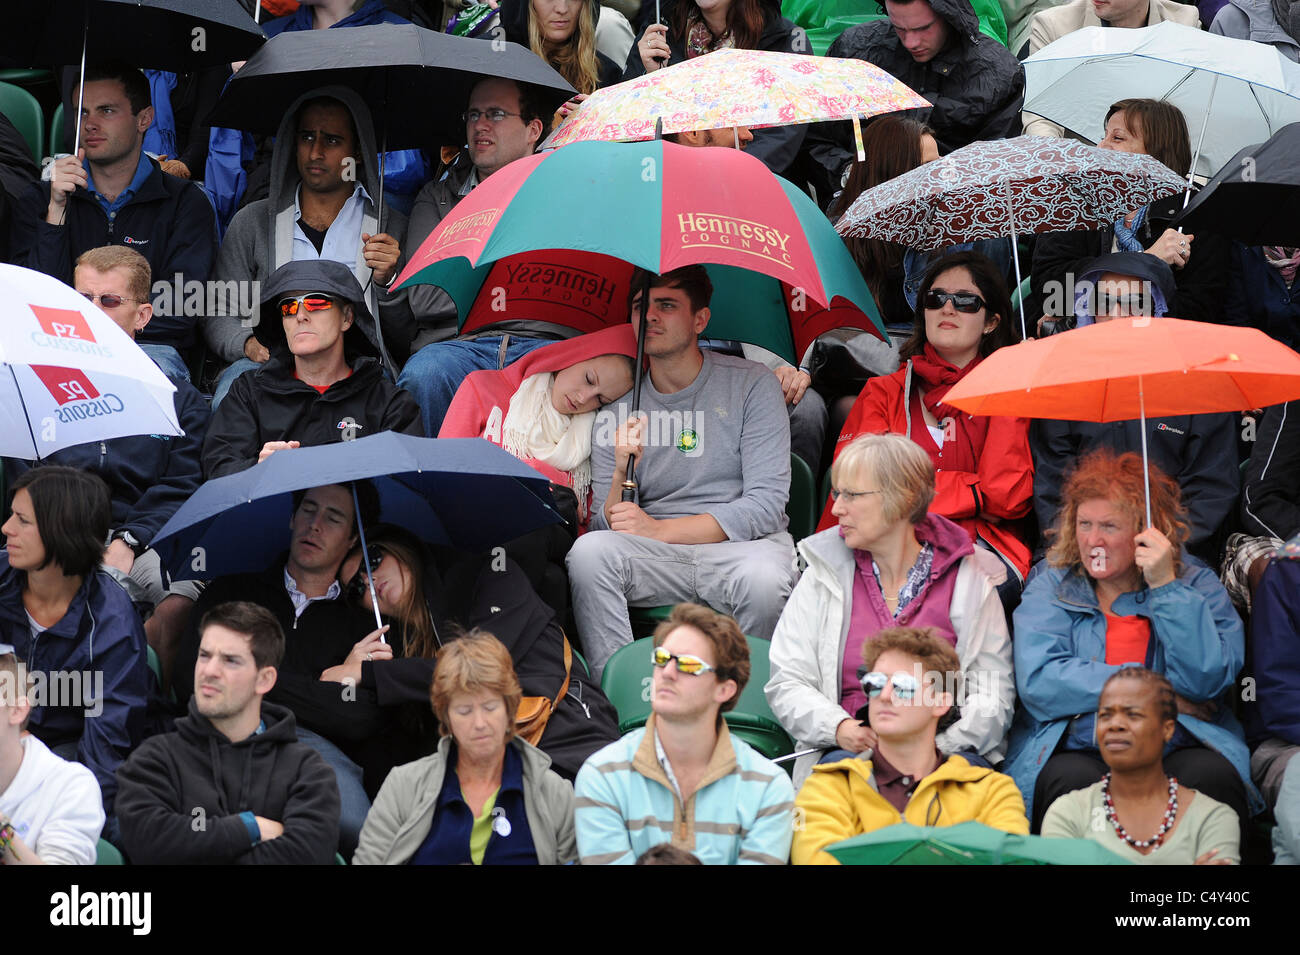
x=107, y=301
x=962, y=301
x=693, y=666
x=311, y=302
x=873, y=684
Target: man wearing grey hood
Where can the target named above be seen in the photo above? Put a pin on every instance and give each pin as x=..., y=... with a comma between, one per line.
x=1264, y=21
x=324, y=180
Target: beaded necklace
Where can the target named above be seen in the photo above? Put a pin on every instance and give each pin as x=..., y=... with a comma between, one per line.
x=1171, y=814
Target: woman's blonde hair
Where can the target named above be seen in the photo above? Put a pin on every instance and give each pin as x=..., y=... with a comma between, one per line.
x=473, y=663
x=1107, y=476
x=575, y=59
x=901, y=470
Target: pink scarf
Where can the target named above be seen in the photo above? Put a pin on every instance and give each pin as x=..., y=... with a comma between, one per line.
x=1285, y=259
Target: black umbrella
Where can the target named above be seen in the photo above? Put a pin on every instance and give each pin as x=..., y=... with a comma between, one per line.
x=415, y=82
x=175, y=35
x=1255, y=198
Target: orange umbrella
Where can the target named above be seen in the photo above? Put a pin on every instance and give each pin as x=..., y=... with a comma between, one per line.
x=1128, y=368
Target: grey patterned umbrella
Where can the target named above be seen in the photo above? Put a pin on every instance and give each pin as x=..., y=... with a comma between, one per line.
x=1006, y=187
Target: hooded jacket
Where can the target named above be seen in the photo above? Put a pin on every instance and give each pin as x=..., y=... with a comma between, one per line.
x=1270, y=499
x=808, y=644
x=1275, y=648
x=1200, y=286
x=195, y=773
x=1197, y=451
x=840, y=801
x=1001, y=488
x=149, y=476
x=1143, y=266
x=976, y=85
x=272, y=404
x=402, y=815
x=483, y=400
x=260, y=238
x=100, y=634
x=776, y=146
x=168, y=221
x=1259, y=20
x=514, y=20
x=1197, y=641
x=54, y=805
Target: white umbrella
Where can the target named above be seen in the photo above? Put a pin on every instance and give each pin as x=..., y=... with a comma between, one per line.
x=1232, y=92
x=68, y=374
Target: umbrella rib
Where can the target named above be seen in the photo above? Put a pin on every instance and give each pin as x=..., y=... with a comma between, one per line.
x=26, y=415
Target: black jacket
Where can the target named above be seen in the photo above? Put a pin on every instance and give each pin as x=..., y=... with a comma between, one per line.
x=181, y=795
x=477, y=591
x=776, y=146
x=1197, y=451
x=319, y=639
x=1200, y=287
x=149, y=476
x=270, y=404
x=169, y=221
x=976, y=85
x=1270, y=499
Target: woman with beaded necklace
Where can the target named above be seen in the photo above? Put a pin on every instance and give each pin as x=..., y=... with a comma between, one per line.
x=1138, y=811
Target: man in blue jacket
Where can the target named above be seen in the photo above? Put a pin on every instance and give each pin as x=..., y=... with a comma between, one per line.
x=111, y=193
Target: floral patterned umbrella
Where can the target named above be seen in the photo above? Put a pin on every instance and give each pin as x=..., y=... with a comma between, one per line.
x=754, y=88
x=1005, y=187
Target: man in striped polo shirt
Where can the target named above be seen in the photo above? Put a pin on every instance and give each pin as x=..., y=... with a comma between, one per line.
x=683, y=778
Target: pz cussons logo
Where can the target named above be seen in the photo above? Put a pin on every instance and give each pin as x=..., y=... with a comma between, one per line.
x=65, y=384
x=63, y=323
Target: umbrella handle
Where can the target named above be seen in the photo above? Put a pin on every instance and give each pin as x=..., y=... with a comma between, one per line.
x=365, y=559
x=629, y=484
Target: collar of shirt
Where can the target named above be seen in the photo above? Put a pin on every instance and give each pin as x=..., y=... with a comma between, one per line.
x=667, y=766
x=261, y=728
x=300, y=600
x=143, y=169
x=343, y=237
x=471, y=181
x=886, y=775
x=512, y=777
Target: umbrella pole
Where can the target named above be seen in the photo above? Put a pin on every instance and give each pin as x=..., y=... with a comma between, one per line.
x=1015, y=256
x=81, y=87
x=629, y=483
x=1146, y=473
x=365, y=557
x=1200, y=141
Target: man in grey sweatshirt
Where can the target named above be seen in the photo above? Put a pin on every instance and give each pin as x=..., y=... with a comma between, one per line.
x=712, y=449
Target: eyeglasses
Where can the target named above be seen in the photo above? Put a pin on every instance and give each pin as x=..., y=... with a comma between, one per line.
x=357, y=585
x=496, y=115
x=110, y=300
x=849, y=496
x=311, y=302
x=967, y=302
x=686, y=663
x=873, y=684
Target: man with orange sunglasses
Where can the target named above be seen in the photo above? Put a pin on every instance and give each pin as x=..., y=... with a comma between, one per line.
x=323, y=382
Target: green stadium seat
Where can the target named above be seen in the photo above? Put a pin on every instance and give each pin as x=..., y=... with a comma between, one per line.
x=24, y=112
x=108, y=854
x=56, y=131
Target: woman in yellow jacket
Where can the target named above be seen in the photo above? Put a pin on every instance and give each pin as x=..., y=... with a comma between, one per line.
x=912, y=681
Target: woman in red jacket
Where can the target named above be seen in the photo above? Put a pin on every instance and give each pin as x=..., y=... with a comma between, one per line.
x=985, y=476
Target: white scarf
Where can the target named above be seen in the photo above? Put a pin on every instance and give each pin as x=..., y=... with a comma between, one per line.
x=534, y=429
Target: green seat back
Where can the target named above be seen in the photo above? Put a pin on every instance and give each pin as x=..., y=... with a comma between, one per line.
x=801, y=509
x=25, y=113
x=108, y=854
x=56, y=131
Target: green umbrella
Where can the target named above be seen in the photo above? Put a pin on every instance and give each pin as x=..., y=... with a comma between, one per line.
x=967, y=843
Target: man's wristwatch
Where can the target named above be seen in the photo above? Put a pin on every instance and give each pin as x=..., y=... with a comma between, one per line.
x=131, y=541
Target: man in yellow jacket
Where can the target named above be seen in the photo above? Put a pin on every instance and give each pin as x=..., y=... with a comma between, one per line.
x=911, y=678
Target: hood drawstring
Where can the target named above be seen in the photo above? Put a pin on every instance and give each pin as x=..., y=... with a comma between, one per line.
x=214, y=754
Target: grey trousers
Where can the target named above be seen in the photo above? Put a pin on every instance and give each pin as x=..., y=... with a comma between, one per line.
x=608, y=570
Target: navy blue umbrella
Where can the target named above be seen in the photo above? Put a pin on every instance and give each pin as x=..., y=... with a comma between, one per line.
x=456, y=492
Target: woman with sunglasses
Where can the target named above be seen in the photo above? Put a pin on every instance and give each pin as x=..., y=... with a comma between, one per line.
x=984, y=472
x=1115, y=592
x=910, y=677
x=887, y=564
x=428, y=599
x=1150, y=817
x=324, y=381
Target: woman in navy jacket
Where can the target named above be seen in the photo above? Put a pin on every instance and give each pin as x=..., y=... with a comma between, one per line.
x=71, y=623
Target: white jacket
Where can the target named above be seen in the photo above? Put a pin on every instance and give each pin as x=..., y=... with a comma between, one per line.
x=808, y=649
x=55, y=806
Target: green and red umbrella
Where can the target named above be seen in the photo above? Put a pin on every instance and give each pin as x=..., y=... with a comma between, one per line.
x=553, y=238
